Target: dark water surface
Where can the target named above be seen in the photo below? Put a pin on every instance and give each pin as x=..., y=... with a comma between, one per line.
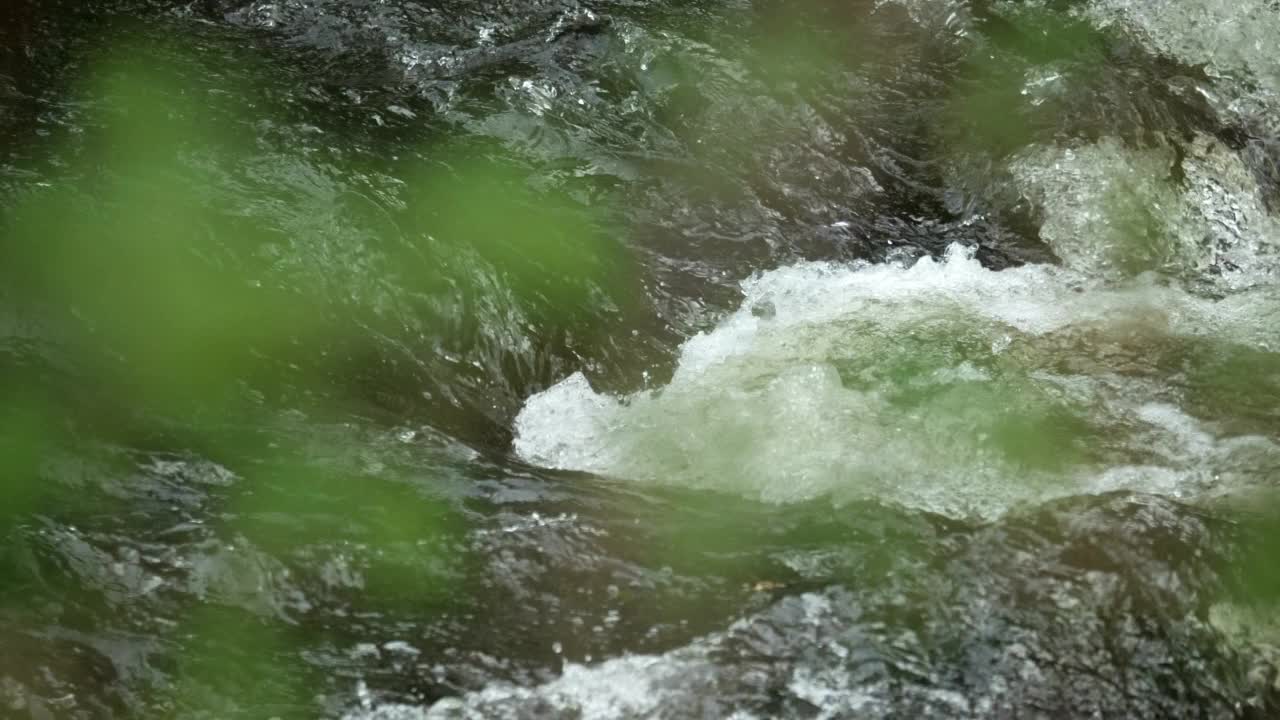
x=523, y=359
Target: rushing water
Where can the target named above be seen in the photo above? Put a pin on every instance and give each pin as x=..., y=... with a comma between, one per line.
x=523, y=359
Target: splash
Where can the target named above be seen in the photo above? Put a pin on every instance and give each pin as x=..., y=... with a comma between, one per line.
x=942, y=386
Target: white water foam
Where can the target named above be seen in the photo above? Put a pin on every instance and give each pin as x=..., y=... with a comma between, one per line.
x=650, y=686
x=942, y=386
x=952, y=388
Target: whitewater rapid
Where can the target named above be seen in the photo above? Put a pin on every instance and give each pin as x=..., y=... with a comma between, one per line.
x=944, y=386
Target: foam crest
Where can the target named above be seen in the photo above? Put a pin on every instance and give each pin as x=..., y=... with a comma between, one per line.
x=942, y=386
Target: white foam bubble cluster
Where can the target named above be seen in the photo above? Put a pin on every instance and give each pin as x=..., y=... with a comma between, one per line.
x=943, y=386
x=633, y=686
x=640, y=686
x=949, y=387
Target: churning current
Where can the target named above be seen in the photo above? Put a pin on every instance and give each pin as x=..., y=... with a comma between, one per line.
x=600, y=360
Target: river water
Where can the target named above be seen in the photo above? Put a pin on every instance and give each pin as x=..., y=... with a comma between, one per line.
x=379, y=360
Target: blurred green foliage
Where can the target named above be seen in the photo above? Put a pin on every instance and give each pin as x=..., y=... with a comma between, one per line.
x=133, y=258
x=176, y=311
x=1009, y=85
x=180, y=274
x=24, y=436
x=238, y=667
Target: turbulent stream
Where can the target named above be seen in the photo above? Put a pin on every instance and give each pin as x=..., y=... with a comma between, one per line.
x=392, y=360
